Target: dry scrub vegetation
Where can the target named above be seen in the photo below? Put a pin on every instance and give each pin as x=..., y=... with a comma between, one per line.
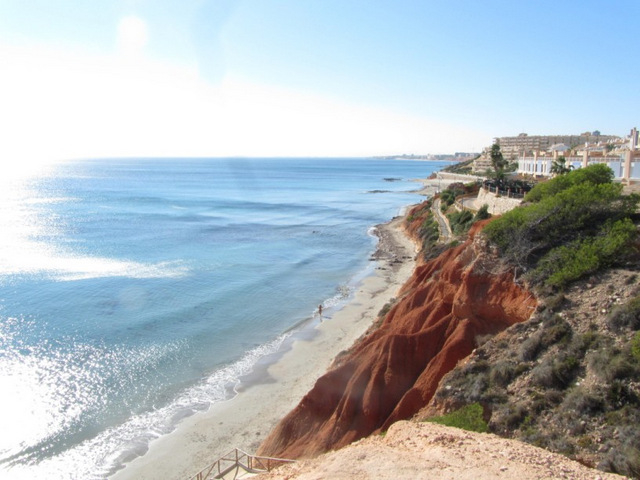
x=568, y=379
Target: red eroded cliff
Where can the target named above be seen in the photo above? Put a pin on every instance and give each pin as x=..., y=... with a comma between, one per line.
x=394, y=371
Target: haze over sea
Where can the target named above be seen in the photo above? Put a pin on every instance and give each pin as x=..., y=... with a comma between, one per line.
x=136, y=292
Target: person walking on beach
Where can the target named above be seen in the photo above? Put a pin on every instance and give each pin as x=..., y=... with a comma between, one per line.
x=320, y=310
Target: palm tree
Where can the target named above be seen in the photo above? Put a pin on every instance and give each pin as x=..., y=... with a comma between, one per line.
x=560, y=167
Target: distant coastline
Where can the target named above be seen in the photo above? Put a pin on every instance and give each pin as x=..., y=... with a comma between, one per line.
x=446, y=157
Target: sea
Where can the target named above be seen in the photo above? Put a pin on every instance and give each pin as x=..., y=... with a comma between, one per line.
x=136, y=292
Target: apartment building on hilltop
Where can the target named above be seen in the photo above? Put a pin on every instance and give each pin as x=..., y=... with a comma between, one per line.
x=623, y=159
x=523, y=144
x=535, y=154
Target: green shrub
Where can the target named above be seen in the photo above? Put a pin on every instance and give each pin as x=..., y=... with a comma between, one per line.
x=626, y=316
x=619, y=395
x=460, y=222
x=553, y=397
x=577, y=224
x=515, y=417
x=447, y=197
x=483, y=213
x=386, y=308
x=502, y=373
x=571, y=215
x=580, y=401
x=589, y=340
x=420, y=211
x=554, y=302
x=429, y=233
x=635, y=347
x=623, y=462
x=478, y=366
x=584, y=441
x=530, y=348
x=594, y=174
x=559, y=442
x=611, y=364
x=627, y=415
x=554, y=330
x=556, y=372
x=565, y=264
x=469, y=417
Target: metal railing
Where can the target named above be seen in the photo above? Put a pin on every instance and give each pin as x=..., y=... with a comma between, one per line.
x=231, y=464
x=509, y=193
x=460, y=205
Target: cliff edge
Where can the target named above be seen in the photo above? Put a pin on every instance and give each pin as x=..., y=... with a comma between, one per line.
x=426, y=451
x=393, y=371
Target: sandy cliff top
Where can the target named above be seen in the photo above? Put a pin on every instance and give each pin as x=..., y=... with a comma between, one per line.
x=428, y=451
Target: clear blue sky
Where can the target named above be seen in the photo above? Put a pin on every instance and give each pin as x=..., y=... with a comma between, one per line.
x=310, y=77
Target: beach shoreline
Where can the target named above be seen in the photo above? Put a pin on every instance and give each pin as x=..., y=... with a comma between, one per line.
x=246, y=419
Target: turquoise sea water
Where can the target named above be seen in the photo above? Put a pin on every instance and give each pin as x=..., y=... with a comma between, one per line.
x=136, y=292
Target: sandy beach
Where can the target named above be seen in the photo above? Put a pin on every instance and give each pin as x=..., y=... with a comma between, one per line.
x=245, y=420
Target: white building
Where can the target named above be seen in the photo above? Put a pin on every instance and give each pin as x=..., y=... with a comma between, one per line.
x=624, y=164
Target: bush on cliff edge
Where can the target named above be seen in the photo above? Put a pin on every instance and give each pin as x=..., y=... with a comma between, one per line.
x=576, y=225
x=469, y=417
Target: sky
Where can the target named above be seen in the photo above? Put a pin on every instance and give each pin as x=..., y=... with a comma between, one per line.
x=128, y=78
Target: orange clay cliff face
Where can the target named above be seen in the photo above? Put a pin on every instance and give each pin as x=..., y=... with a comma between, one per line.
x=394, y=371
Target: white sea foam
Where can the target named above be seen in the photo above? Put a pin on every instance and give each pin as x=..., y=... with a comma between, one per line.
x=50, y=200
x=46, y=391
x=342, y=295
x=39, y=259
x=102, y=455
x=80, y=268
x=23, y=253
x=20, y=254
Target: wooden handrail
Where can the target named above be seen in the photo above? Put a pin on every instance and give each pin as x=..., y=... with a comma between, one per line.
x=254, y=464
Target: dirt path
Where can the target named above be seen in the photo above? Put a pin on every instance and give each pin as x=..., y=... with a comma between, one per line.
x=445, y=229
